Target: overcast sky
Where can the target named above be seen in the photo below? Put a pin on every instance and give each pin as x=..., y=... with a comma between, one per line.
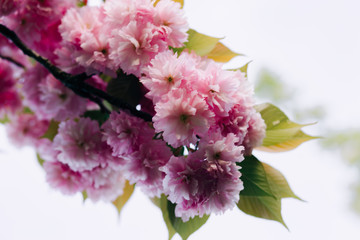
x=313, y=46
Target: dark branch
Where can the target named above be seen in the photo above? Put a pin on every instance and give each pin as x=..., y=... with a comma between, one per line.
x=74, y=82
x=12, y=61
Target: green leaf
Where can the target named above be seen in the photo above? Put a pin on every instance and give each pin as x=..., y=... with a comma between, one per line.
x=281, y=133
x=254, y=178
x=52, y=130
x=5, y=120
x=254, y=202
x=40, y=160
x=122, y=200
x=263, y=207
x=97, y=115
x=84, y=195
x=245, y=68
x=221, y=53
x=125, y=87
x=278, y=184
x=162, y=204
x=200, y=43
x=175, y=224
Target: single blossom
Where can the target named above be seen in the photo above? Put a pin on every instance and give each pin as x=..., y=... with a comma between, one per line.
x=182, y=117
x=79, y=144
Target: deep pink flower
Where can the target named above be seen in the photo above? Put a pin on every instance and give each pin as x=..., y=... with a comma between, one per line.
x=255, y=133
x=48, y=97
x=205, y=182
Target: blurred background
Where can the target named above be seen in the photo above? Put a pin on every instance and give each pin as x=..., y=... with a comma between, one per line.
x=305, y=59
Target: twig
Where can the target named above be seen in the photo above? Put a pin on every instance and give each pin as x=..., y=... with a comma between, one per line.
x=12, y=61
x=74, y=82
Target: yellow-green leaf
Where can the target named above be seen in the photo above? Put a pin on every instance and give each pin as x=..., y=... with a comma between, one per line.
x=40, y=160
x=84, y=195
x=122, y=200
x=175, y=224
x=221, y=53
x=200, y=43
x=162, y=204
x=5, y=120
x=281, y=133
x=254, y=178
x=262, y=206
x=52, y=130
x=260, y=178
x=278, y=184
x=178, y=1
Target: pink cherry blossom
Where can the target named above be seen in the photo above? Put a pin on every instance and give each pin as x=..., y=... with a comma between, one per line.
x=164, y=73
x=205, y=182
x=26, y=130
x=83, y=31
x=61, y=177
x=105, y=183
x=79, y=144
x=8, y=6
x=120, y=13
x=255, y=133
x=124, y=132
x=169, y=15
x=133, y=46
x=48, y=97
x=142, y=167
x=182, y=116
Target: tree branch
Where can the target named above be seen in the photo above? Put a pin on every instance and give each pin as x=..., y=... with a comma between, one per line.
x=74, y=82
x=12, y=61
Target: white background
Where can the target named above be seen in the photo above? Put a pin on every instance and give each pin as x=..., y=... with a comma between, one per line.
x=312, y=45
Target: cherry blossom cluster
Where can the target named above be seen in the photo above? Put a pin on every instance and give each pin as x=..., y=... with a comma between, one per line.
x=203, y=124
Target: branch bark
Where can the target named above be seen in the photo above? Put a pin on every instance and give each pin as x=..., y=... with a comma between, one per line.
x=74, y=82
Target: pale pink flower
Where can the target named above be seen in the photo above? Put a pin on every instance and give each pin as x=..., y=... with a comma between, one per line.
x=84, y=31
x=105, y=183
x=133, y=46
x=79, y=144
x=26, y=130
x=164, y=73
x=123, y=133
x=120, y=12
x=220, y=88
x=61, y=177
x=142, y=167
x=182, y=116
x=224, y=148
x=169, y=15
